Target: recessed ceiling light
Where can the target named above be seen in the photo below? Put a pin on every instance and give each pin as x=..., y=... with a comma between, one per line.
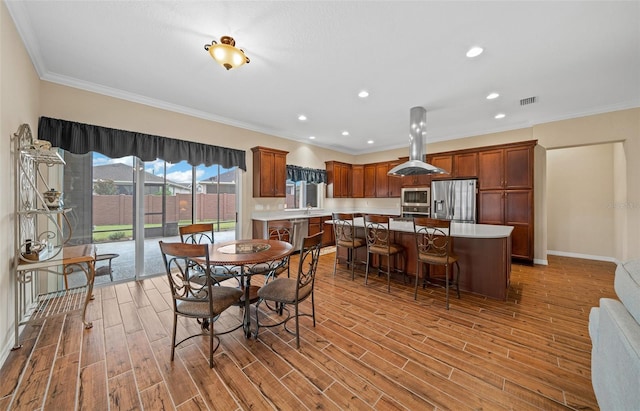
x=363, y=94
x=302, y=117
x=491, y=96
x=345, y=133
x=312, y=137
x=499, y=116
x=474, y=52
x=370, y=142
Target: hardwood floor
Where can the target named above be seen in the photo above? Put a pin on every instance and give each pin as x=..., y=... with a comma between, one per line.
x=369, y=350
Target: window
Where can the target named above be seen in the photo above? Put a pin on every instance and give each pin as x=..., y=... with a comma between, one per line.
x=301, y=194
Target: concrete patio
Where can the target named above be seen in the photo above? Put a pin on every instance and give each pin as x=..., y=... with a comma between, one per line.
x=123, y=266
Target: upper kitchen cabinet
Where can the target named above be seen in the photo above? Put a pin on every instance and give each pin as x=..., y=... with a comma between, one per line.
x=357, y=181
x=269, y=172
x=443, y=161
x=465, y=165
x=506, y=167
x=395, y=182
x=370, y=180
x=382, y=182
x=387, y=186
x=338, y=179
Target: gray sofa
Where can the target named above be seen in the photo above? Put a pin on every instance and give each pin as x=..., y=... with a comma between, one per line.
x=614, y=328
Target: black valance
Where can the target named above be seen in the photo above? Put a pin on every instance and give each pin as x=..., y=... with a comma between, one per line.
x=310, y=175
x=79, y=138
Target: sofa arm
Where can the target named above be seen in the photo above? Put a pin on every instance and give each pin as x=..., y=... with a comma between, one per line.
x=615, y=356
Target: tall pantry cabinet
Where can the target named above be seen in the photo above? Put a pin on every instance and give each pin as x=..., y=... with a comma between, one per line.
x=505, y=195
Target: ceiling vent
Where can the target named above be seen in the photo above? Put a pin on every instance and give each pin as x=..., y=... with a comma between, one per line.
x=528, y=100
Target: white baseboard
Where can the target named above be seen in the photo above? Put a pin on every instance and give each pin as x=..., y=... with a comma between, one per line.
x=583, y=256
x=540, y=261
x=7, y=348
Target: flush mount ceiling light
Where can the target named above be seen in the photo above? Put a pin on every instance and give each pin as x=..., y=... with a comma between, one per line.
x=499, y=116
x=363, y=94
x=492, y=96
x=474, y=52
x=226, y=53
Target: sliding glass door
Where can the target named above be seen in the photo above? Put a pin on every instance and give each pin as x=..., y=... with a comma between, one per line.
x=125, y=206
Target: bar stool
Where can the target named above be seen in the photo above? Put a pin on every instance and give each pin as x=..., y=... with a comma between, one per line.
x=434, y=247
x=378, y=237
x=346, y=238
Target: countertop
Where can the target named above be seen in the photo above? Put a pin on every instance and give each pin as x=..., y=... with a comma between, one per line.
x=294, y=215
x=457, y=229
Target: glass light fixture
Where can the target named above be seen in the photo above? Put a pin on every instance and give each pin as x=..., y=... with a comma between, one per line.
x=474, y=52
x=226, y=53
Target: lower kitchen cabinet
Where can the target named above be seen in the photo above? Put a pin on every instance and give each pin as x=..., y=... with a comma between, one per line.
x=513, y=208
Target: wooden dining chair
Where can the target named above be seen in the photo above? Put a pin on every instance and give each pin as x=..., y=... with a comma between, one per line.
x=194, y=292
x=292, y=291
x=434, y=246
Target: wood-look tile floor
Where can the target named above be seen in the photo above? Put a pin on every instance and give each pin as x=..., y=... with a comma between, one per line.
x=369, y=350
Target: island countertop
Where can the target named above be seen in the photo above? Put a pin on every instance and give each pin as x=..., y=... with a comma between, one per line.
x=458, y=230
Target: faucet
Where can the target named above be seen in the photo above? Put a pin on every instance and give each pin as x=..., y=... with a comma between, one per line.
x=308, y=212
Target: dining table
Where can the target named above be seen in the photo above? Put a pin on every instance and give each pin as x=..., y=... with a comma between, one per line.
x=243, y=259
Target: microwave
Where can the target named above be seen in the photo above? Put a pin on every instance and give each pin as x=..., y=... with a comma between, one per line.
x=415, y=196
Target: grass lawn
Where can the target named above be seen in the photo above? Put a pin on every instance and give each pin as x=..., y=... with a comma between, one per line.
x=104, y=233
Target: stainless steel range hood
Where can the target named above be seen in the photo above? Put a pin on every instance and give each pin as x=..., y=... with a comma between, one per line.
x=417, y=131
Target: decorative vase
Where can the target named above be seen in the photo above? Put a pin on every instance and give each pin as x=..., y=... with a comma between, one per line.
x=52, y=199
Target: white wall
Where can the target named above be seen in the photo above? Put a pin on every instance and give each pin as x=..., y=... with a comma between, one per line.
x=19, y=99
x=581, y=202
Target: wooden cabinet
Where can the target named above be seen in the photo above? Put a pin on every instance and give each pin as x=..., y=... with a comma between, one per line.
x=506, y=168
x=370, y=180
x=443, y=161
x=382, y=182
x=338, y=179
x=465, y=165
x=327, y=238
x=395, y=182
x=513, y=208
x=420, y=180
x=357, y=181
x=505, y=180
x=316, y=224
x=269, y=172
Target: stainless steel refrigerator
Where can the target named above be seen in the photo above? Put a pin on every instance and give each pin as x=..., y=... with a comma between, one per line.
x=454, y=200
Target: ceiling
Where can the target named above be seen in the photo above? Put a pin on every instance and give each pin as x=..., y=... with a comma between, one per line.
x=313, y=57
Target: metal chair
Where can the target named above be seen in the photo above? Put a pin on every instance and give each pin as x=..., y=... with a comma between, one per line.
x=346, y=238
x=283, y=231
x=293, y=291
x=194, y=291
x=435, y=247
x=200, y=233
x=379, y=242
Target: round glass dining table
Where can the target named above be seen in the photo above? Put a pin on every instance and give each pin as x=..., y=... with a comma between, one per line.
x=245, y=258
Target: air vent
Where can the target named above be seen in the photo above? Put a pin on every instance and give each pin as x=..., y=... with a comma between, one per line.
x=528, y=100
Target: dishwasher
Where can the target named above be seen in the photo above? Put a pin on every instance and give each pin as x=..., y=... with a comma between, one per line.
x=300, y=231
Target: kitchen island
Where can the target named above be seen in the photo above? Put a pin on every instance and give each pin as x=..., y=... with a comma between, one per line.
x=484, y=250
x=484, y=253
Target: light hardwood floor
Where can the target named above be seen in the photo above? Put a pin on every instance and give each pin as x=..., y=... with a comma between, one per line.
x=369, y=350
